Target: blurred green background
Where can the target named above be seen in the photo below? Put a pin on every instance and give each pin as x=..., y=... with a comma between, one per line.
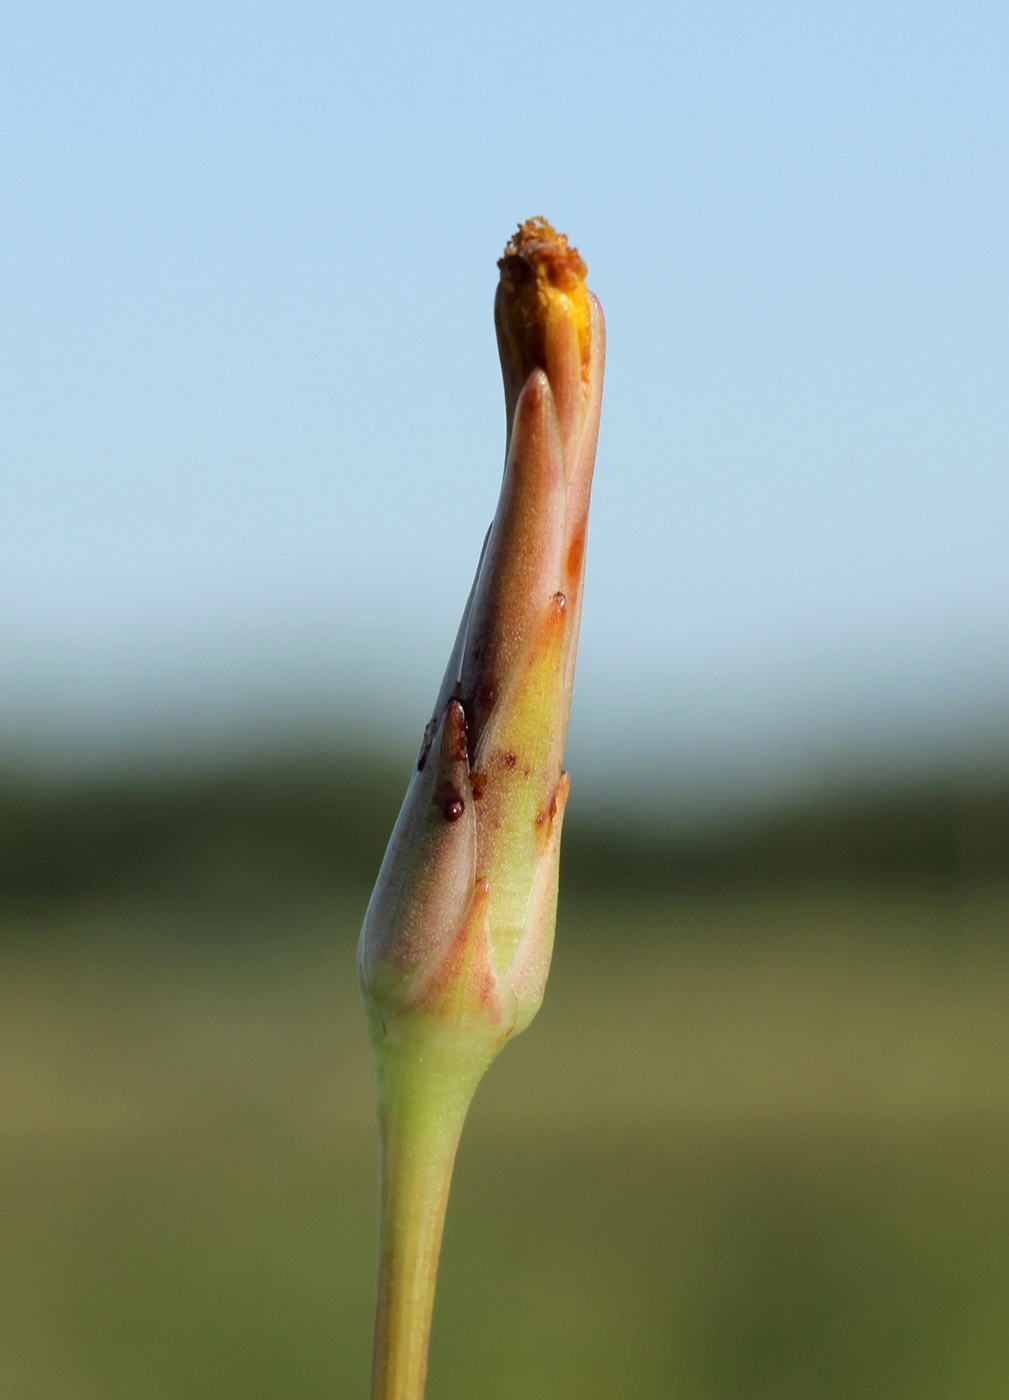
x=754, y=1146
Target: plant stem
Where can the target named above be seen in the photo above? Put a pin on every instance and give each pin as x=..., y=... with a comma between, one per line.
x=424, y=1095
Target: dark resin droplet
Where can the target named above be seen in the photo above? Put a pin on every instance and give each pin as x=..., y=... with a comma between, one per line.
x=449, y=799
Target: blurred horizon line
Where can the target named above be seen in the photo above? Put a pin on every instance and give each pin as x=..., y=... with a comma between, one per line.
x=684, y=773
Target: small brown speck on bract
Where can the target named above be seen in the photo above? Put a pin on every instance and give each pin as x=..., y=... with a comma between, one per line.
x=460, y=753
x=510, y=760
x=426, y=742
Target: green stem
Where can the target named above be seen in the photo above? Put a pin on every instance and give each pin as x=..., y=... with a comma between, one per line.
x=425, y=1091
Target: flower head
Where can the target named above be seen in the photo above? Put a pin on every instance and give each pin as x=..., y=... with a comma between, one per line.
x=459, y=931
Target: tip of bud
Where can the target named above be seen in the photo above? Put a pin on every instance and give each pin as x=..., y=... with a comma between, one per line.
x=539, y=252
x=543, y=277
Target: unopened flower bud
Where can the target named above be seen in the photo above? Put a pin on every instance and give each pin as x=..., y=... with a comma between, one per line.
x=459, y=930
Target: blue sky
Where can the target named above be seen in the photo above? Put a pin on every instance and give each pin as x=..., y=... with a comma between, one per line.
x=252, y=421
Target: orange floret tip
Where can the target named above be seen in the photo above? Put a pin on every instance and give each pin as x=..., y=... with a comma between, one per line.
x=542, y=276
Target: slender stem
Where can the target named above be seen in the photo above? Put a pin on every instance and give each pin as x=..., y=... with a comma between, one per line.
x=423, y=1099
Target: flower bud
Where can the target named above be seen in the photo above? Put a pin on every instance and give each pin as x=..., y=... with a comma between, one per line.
x=459, y=930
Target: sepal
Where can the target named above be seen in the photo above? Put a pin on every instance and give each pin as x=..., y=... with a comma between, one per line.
x=425, y=884
x=462, y=988
x=527, y=973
